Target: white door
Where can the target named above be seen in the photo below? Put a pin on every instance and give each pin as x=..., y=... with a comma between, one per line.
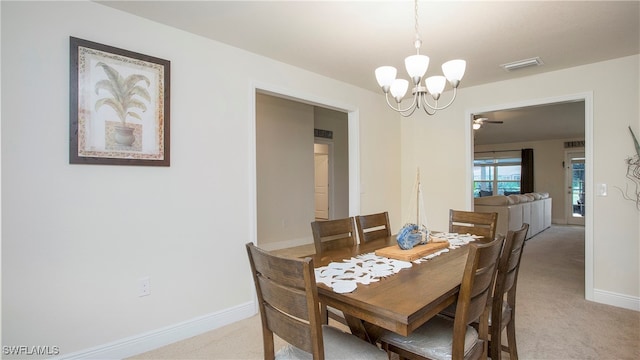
x=321, y=159
x=575, y=187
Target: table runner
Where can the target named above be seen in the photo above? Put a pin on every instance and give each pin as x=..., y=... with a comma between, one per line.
x=345, y=276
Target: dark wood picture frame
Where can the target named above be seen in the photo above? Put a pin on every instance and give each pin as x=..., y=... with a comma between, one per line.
x=119, y=106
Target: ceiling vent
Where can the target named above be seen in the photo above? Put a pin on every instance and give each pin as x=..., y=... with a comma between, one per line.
x=522, y=64
x=574, y=144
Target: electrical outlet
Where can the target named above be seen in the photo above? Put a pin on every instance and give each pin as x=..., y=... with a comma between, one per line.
x=144, y=286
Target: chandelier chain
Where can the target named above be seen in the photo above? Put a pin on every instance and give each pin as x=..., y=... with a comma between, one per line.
x=418, y=41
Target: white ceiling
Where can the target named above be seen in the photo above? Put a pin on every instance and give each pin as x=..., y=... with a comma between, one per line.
x=347, y=40
x=553, y=121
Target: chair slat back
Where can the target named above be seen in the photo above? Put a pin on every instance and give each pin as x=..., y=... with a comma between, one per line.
x=475, y=223
x=280, y=297
x=333, y=234
x=475, y=289
x=373, y=226
x=288, y=301
x=506, y=284
x=510, y=260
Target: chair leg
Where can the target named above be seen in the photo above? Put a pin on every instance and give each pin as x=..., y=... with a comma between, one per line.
x=511, y=340
x=494, y=344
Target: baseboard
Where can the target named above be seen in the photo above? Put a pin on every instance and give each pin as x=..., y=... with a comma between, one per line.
x=151, y=340
x=615, y=299
x=286, y=244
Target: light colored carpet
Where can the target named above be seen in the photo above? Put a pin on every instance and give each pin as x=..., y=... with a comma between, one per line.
x=553, y=319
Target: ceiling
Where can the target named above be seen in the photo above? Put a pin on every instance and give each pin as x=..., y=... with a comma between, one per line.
x=553, y=121
x=347, y=40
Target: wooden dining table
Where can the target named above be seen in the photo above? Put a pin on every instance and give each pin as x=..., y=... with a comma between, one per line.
x=400, y=302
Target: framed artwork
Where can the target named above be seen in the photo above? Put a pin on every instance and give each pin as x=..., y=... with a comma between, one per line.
x=119, y=106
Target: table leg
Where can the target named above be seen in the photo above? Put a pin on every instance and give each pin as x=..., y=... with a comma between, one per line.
x=357, y=327
x=364, y=330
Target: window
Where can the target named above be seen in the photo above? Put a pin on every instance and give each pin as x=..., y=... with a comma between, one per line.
x=577, y=186
x=497, y=174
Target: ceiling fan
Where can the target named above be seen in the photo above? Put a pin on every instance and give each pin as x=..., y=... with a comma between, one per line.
x=478, y=121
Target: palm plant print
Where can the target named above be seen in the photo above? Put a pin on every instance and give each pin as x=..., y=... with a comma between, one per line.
x=126, y=93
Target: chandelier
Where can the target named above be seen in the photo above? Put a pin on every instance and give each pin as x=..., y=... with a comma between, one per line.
x=416, y=68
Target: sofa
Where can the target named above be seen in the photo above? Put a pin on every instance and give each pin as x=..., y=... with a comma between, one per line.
x=516, y=209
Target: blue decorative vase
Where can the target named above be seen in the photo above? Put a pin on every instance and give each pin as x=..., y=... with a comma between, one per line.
x=411, y=235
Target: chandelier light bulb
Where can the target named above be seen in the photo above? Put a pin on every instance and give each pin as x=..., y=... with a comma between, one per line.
x=435, y=85
x=417, y=66
x=454, y=71
x=399, y=89
x=385, y=76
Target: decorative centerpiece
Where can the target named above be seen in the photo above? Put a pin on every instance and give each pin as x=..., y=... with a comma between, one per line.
x=414, y=238
x=411, y=235
x=415, y=233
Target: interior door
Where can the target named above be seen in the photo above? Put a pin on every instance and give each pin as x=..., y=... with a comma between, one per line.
x=321, y=161
x=575, y=184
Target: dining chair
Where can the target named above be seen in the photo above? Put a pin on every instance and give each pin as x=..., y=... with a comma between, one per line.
x=289, y=307
x=333, y=234
x=475, y=223
x=445, y=338
x=503, y=307
x=373, y=226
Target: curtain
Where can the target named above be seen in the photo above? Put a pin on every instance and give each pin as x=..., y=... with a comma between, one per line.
x=526, y=179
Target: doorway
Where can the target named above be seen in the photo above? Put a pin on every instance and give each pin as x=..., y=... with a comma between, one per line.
x=322, y=156
x=280, y=217
x=575, y=185
x=586, y=99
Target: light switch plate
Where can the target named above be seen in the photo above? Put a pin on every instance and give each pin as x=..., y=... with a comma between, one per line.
x=601, y=189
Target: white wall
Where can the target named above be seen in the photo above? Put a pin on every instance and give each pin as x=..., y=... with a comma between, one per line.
x=76, y=238
x=440, y=143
